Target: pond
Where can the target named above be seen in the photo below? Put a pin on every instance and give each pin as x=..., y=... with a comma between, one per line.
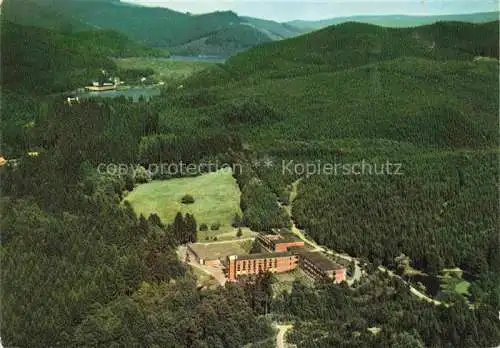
x=132, y=92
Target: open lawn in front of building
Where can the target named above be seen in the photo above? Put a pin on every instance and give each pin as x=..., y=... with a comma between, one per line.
x=216, y=201
x=225, y=233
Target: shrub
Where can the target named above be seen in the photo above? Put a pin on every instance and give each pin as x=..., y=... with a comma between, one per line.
x=215, y=226
x=239, y=233
x=237, y=220
x=203, y=227
x=187, y=199
x=141, y=175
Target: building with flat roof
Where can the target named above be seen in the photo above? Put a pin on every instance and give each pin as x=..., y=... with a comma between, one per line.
x=281, y=241
x=284, y=252
x=212, y=254
x=319, y=266
x=242, y=265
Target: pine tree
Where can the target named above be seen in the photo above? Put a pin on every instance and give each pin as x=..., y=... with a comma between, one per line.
x=179, y=228
x=190, y=226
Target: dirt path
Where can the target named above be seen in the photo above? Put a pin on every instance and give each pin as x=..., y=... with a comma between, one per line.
x=280, y=338
x=412, y=289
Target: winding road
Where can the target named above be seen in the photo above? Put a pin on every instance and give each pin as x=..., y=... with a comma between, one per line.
x=356, y=276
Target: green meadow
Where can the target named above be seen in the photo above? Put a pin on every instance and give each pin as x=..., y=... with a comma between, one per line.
x=165, y=69
x=217, y=198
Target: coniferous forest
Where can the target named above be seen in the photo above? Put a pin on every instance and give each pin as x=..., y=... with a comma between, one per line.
x=81, y=268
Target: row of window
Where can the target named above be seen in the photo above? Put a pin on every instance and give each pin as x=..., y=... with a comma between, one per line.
x=253, y=264
x=261, y=264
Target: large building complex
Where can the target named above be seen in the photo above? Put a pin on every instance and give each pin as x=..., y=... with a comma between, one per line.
x=285, y=252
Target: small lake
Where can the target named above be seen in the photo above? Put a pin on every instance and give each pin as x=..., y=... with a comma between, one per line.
x=133, y=92
x=147, y=92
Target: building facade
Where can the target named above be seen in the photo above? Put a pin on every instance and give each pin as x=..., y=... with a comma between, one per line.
x=251, y=264
x=283, y=252
x=318, y=266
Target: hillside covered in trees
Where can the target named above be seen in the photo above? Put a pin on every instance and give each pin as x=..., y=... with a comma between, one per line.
x=399, y=21
x=357, y=93
x=80, y=268
x=43, y=60
x=352, y=44
x=221, y=33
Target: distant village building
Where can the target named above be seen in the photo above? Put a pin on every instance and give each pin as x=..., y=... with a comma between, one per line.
x=101, y=86
x=71, y=100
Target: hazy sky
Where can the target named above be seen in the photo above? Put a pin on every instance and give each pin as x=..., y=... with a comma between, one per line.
x=285, y=10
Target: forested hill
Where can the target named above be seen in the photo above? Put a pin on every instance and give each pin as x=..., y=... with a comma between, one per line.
x=355, y=92
x=43, y=60
x=219, y=33
x=81, y=269
x=353, y=44
x=39, y=14
x=398, y=21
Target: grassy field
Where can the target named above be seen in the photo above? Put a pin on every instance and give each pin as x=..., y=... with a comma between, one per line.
x=217, y=199
x=452, y=281
x=224, y=233
x=165, y=70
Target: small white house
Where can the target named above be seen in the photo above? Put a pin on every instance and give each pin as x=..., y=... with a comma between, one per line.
x=71, y=101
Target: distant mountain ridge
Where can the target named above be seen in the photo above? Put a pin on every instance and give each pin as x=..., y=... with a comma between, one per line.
x=397, y=21
x=354, y=44
x=218, y=33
